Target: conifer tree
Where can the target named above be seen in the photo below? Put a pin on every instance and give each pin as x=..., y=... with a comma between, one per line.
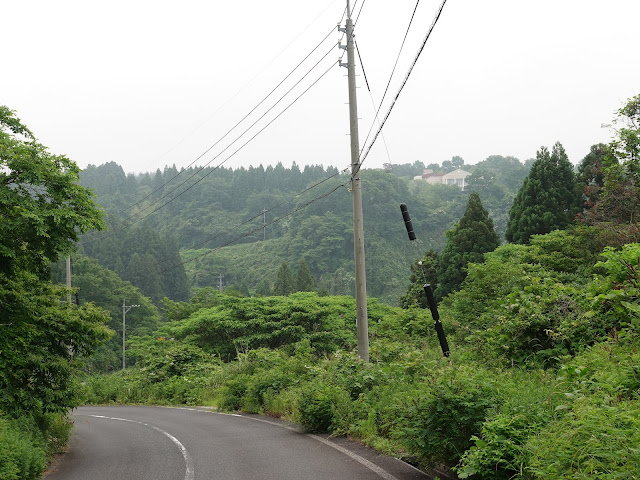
x=467, y=242
x=304, y=280
x=284, y=281
x=547, y=200
x=263, y=288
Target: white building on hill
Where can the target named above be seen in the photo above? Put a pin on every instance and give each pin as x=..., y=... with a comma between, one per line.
x=457, y=177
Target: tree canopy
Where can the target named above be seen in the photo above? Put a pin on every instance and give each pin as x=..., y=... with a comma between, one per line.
x=615, y=196
x=42, y=210
x=304, y=281
x=467, y=242
x=547, y=200
x=284, y=281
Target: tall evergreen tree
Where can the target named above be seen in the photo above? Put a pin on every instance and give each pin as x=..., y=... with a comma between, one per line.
x=467, y=242
x=304, y=280
x=263, y=288
x=547, y=200
x=284, y=281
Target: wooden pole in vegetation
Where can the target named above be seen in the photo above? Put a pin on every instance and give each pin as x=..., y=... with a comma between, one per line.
x=125, y=309
x=69, y=278
x=362, y=322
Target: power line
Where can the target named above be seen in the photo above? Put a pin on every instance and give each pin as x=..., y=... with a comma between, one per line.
x=234, y=153
x=237, y=150
x=249, y=220
x=393, y=71
x=373, y=103
x=249, y=82
x=413, y=64
x=235, y=126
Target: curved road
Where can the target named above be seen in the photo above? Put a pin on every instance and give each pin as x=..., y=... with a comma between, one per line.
x=156, y=443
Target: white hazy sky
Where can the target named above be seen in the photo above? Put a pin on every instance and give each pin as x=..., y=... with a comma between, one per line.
x=150, y=83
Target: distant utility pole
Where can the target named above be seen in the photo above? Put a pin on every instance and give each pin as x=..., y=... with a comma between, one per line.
x=264, y=224
x=69, y=278
x=356, y=192
x=125, y=309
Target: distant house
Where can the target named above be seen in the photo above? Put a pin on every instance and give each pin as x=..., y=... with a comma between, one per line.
x=457, y=177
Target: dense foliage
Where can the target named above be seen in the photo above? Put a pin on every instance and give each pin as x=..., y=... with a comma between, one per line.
x=613, y=195
x=42, y=338
x=139, y=254
x=235, y=227
x=547, y=200
x=42, y=207
x=467, y=242
x=99, y=286
x=544, y=352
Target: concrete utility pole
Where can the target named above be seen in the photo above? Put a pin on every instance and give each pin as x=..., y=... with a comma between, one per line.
x=125, y=309
x=362, y=322
x=69, y=278
x=264, y=224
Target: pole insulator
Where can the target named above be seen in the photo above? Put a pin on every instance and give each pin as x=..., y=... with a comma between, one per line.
x=407, y=221
x=444, y=345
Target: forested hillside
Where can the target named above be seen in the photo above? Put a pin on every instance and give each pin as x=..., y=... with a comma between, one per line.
x=234, y=228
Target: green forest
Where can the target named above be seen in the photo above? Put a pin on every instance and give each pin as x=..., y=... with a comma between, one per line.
x=242, y=224
x=244, y=281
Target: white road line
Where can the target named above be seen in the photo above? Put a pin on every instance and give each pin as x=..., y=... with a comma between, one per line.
x=354, y=456
x=189, y=474
x=370, y=465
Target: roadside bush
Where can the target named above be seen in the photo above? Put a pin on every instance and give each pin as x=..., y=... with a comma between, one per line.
x=321, y=407
x=22, y=452
x=27, y=443
x=528, y=404
x=540, y=323
x=231, y=393
x=439, y=424
x=593, y=440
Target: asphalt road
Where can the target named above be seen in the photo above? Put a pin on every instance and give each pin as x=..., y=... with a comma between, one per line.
x=155, y=443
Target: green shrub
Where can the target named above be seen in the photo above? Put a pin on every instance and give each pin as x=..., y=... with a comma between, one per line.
x=22, y=449
x=574, y=250
x=528, y=403
x=618, y=291
x=593, y=440
x=320, y=406
x=439, y=425
x=231, y=393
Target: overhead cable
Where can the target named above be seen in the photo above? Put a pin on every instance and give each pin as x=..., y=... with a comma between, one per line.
x=393, y=71
x=413, y=64
x=231, y=155
x=235, y=126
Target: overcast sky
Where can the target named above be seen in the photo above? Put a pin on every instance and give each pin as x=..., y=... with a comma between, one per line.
x=150, y=83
